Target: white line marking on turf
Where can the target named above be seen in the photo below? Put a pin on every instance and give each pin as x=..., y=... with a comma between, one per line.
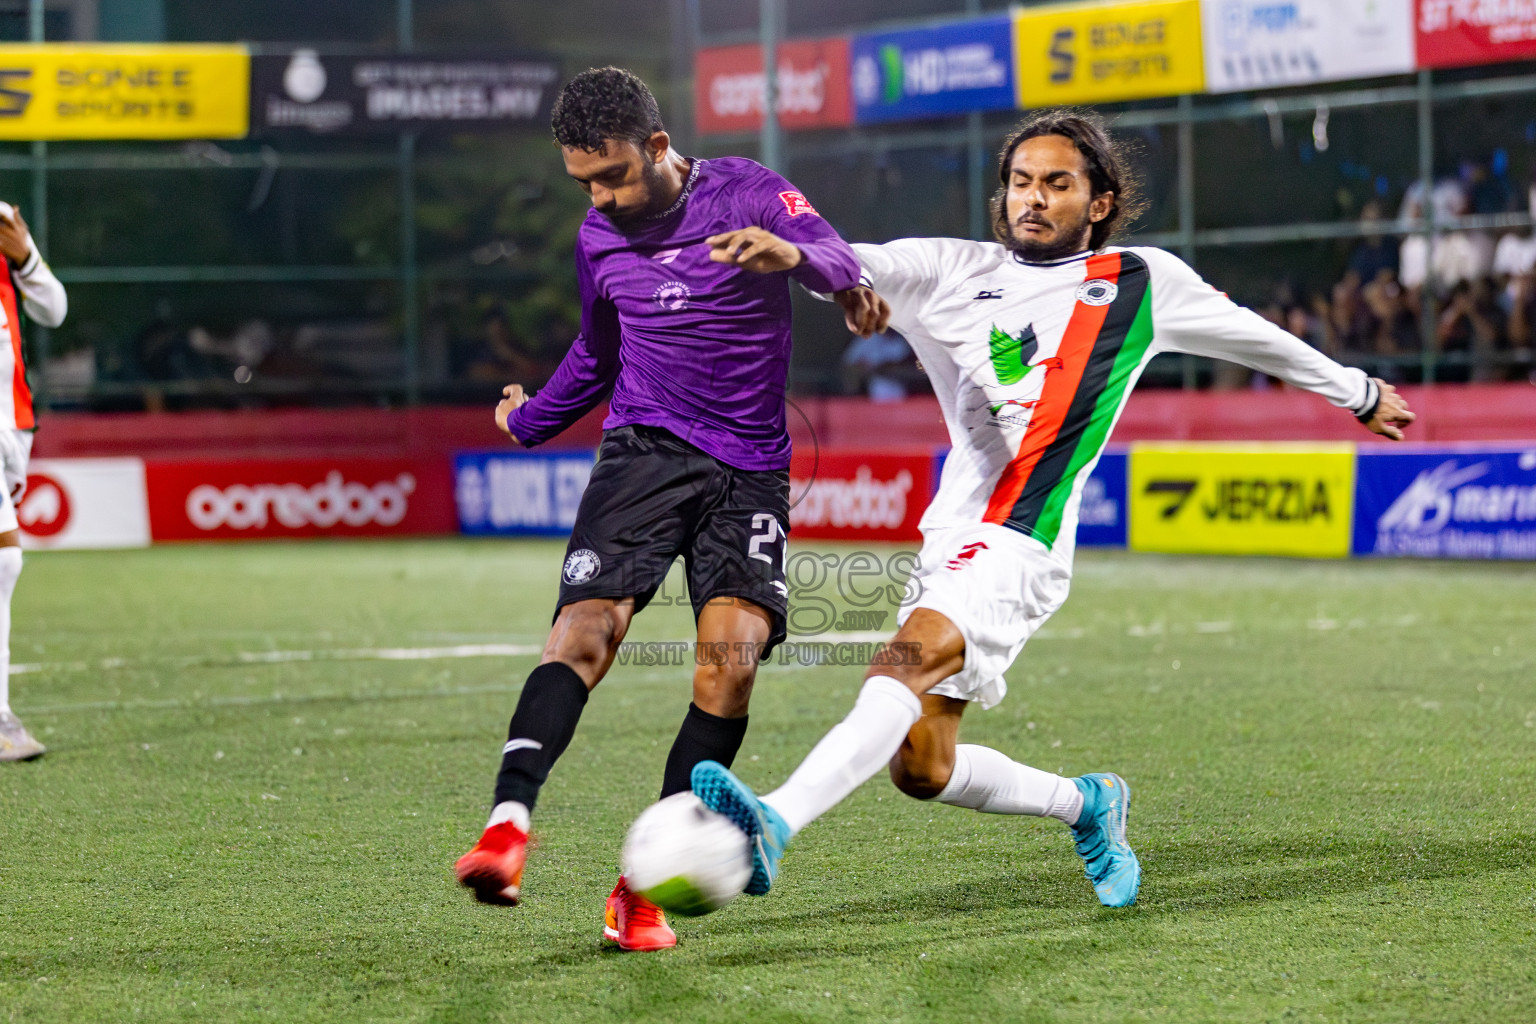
x=280, y=657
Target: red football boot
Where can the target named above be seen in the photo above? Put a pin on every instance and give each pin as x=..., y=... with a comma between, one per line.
x=635, y=923
x=494, y=868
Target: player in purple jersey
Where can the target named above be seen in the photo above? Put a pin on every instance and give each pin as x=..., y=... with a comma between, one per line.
x=685, y=268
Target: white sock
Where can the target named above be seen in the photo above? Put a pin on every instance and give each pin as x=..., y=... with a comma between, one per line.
x=10, y=572
x=513, y=811
x=987, y=780
x=856, y=748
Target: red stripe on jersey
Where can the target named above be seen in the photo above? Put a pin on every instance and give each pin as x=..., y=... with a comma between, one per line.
x=1056, y=394
x=21, y=394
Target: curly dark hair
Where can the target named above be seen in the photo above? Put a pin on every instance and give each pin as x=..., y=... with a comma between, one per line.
x=1108, y=163
x=604, y=103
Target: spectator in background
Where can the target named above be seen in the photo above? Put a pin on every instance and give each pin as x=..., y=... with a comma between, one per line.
x=880, y=365
x=1375, y=254
x=1471, y=321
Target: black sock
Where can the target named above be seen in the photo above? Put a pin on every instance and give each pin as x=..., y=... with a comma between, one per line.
x=703, y=737
x=542, y=725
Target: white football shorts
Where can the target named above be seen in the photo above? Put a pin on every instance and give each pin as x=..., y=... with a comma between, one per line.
x=15, y=453
x=997, y=587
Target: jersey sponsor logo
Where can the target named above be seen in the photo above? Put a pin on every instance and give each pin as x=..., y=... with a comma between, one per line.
x=796, y=204
x=673, y=295
x=1097, y=292
x=582, y=565
x=963, y=559
x=44, y=509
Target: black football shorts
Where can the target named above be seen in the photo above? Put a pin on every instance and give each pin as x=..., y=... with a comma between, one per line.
x=654, y=496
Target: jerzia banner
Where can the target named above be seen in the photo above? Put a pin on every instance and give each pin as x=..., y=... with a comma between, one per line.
x=319, y=94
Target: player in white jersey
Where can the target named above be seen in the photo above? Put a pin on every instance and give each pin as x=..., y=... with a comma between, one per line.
x=1033, y=344
x=26, y=284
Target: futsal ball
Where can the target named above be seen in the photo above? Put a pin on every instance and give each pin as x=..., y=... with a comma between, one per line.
x=685, y=858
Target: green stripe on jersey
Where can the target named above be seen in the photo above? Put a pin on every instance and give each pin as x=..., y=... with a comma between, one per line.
x=1096, y=433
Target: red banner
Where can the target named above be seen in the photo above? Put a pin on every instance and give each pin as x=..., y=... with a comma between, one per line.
x=299, y=498
x=814, y=90
x=859, y=495
x=1454, y=33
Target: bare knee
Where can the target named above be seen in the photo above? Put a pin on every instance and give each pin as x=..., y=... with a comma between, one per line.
x=921, y=777
x=723, y=687
x=586, y=636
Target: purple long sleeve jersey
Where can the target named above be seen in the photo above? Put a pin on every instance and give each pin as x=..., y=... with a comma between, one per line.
x=698, y=348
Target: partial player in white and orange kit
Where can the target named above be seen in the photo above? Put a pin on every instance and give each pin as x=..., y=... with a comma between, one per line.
x=27, y=285
x=1033, y=344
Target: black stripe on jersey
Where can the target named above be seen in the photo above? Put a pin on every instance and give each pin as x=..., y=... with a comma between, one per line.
x=1131, y=283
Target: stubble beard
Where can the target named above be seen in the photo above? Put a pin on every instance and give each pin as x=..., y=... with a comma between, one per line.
x=655, y=190
x=1070, y=242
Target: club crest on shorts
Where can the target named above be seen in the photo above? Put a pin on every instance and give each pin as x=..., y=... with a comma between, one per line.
x=582, y=565
x=1097, y=292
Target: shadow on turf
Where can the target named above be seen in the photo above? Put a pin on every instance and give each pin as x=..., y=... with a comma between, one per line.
x=1179, y=879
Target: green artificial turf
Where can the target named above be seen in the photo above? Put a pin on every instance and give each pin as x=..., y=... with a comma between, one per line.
x=1334, y=768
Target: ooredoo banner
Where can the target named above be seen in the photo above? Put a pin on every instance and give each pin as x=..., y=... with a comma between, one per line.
x=299, y=498
x=934, y=72
x=84, y=503
x=859, y=495
x=1447, y=503
x=1452, y=33
x=730, y=87
x=1254, y=499
x=1258, y=44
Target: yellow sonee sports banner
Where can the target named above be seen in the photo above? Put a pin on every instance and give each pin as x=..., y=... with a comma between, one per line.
x=1093, y=53
x=1235, y=499
x=124, y=91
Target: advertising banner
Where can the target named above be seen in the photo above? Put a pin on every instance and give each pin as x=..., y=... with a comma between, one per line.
x=859, y=495
x=1447, y=504
x=1452, y=33
x=123, y=91
x=299, y=498
x=1260, y=44
x=933, y=72
x=1102, y=516
x=323, y=94
x=1281, y=499
x=84, y=503
x=513, y=493
x=1094, y=53
x=814, y=89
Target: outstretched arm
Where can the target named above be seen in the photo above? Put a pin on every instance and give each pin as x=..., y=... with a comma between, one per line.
x=1190, y=316
x=584, y=378
x=42, y=296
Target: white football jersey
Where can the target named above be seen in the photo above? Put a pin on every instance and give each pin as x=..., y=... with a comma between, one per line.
x=1032, y=363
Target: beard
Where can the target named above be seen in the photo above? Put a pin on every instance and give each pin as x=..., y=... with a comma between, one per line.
x=1071, y=239
x=655, y=188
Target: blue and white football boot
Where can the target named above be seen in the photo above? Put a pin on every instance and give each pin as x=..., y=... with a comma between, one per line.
x=1099, y=834
x=722, y=792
